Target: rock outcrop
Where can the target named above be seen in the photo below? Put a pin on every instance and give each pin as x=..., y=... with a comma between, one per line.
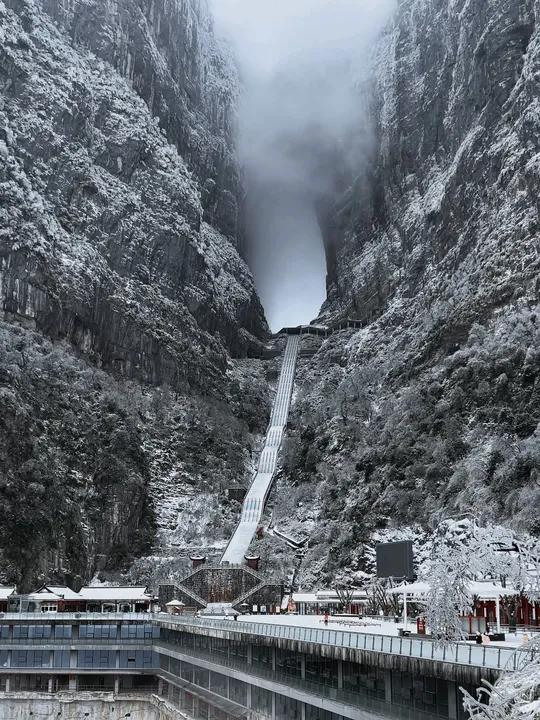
x=433, y=408
x=119, y=255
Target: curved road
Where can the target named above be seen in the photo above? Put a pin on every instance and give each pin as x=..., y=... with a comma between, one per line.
x=253, y=506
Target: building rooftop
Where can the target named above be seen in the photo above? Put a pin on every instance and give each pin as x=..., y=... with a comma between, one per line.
x=6, y=591
x=101, y=593
x=62, y=591
x=484, y=590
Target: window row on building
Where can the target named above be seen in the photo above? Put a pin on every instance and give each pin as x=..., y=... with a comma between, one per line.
x=82, y=631
x=87, y=659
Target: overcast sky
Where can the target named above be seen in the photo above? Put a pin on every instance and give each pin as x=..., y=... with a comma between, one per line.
x=300, y=118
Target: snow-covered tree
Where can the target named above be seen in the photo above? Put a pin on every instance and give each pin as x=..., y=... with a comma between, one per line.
x=448, y=598
x=526, y=574
x=515, y=695
x=463, y=552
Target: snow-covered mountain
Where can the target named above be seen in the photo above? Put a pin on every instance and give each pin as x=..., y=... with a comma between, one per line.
x=119, y=268
x=434, y=407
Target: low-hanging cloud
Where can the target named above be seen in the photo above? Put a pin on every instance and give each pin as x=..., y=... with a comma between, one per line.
x=302, y=125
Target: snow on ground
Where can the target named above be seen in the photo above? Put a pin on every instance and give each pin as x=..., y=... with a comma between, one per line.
x=363, y=625
x=360, y=625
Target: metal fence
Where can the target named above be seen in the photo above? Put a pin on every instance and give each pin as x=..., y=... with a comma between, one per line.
x=495, y=658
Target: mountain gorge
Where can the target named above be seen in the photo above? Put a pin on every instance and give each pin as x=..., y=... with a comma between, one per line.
x=132, y=393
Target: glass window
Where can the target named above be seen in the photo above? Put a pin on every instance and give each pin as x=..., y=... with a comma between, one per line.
x=201, y=712
x=364, y=680
x=20, y=631
x=321, y=670
x=289, y=662
x=97, y=632
x=49, y=607
x=287, y=708
x=61, y=658
x=187, y=671
x=201, y=642
x=4, y=631
x=421, y=693
x=30, y=658
x=105, y=659
x=201, y=677
x=62, y=631
x=261, y=655
x=238, y=691
x=218, y=684
x=261, y=701
x=128, y=631
x=238, y=651
x=219, y=647
x=39, y=631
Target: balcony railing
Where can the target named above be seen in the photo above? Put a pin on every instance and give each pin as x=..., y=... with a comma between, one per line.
x=495, y=658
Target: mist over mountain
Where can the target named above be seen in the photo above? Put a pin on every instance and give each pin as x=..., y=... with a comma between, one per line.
x=168, y=169
x=303, y=132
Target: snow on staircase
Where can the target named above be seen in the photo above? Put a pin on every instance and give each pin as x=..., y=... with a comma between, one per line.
x=253, y=506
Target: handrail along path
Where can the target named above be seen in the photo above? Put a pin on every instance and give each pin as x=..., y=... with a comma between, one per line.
x=254, y=502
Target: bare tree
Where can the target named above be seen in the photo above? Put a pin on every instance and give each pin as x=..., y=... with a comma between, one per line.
x=345, y=594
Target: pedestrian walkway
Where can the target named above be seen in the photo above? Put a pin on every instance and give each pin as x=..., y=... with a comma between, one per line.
x=254, y=502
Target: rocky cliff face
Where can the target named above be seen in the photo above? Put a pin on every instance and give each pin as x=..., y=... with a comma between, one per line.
x=119, y=265
x=433, y=408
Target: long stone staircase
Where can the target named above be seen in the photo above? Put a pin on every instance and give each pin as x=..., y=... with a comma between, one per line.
x=254, y=502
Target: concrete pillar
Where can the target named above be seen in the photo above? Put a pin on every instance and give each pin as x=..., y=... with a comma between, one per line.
x=388, y=686
x=160, y=686
x=116, y=684
x=303, y=666
x=250, y=655
x=50, y=685
x=9, y=652
x=228, y=687
x=303, y=711
x=72, y=685
x=273, y=706
x=452, y=700
x=273, y=659
x=117, y=659
x=340, y=675
x=248, y=696
x=8, y=683
x=72, y=658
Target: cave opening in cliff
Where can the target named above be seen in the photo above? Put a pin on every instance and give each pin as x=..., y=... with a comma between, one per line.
x=301, y=133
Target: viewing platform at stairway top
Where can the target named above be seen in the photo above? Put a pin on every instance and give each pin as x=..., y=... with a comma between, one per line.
x=323, y=330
